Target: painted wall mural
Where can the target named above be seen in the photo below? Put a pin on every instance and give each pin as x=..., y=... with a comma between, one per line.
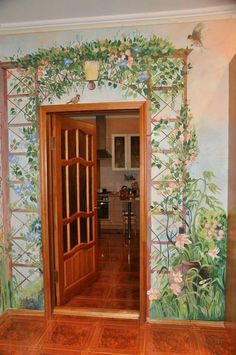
x=188, y=225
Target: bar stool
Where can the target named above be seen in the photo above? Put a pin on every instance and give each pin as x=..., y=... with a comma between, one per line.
x=125, y=221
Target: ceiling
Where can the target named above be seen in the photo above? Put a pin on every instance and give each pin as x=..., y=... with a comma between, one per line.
x=17, y=11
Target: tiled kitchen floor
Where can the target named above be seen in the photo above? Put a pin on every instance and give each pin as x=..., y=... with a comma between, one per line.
x=84, y=336
x=117, y=285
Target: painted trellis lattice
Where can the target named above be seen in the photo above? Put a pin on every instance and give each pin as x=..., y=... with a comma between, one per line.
x=187, y=225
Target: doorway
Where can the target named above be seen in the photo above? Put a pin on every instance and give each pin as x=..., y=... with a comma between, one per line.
x=82, y=255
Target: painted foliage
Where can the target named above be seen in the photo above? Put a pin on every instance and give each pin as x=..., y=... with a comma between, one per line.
x=188, y=226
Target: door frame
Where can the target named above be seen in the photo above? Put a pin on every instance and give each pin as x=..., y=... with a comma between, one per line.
x=46, y=192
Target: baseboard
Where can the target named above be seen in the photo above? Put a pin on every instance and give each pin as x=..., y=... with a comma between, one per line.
x=25, y=312
x=98, y=313
x=231, y=330
x=200, y=323
x=3, y=317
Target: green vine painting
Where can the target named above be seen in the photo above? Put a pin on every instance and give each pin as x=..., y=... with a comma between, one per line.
x=188, y=225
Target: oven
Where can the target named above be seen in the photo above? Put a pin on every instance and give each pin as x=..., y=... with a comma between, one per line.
x=103, y=201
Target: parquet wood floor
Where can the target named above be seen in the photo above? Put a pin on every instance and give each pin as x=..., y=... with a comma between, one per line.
x=117, y=284
x=87, y=336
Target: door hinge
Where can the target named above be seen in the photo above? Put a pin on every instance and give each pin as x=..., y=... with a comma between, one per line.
x=53, y=143
x=55, y=276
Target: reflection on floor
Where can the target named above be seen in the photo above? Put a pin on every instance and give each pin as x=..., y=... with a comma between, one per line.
x=84, y=336
x=117, y=285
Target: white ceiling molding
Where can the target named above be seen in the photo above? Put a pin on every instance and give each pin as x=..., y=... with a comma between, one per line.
x=162, y=17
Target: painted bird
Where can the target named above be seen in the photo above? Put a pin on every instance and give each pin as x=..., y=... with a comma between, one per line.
x=74, y=100
x=196, y=36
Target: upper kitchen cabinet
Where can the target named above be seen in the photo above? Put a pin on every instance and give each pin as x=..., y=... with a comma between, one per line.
x=125, y=152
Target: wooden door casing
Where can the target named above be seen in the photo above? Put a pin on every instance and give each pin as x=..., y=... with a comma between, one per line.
x=75, y=214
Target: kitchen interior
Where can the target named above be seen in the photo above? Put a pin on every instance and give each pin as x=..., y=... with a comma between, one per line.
x=117, y=284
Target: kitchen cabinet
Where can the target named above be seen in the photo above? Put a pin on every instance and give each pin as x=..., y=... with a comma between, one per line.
x=125, y=152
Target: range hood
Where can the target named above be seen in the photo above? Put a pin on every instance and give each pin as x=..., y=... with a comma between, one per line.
x=102, y=152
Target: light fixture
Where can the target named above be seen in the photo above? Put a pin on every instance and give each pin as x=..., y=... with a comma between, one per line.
x=91, y=70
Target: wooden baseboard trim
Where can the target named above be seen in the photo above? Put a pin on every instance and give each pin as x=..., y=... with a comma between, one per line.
x=98, y=313
x=200, y=323
x=25, y=312
x=3, y=317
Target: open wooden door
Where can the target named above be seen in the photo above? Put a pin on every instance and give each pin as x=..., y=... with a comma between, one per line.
x=75, y=213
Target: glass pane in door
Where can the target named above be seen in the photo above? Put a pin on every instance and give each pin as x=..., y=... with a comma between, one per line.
x=73, y=188
x=71, y=144
x=119, y=150
x=82, y=188
x=83, y=230
x=73, y=234
x=82, y=144
x=134, y=152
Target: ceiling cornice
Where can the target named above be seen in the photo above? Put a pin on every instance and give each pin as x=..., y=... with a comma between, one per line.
x=162, y=17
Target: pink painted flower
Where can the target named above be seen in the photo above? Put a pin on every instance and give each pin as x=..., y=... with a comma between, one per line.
x=182, y=240
x=207, y=226
x=177, y=161
x=213, y=253
x=130, y=62
x=220, y=235
x=173, y=184
x=176, y=288
x=176, y=276
x=215, y=225
x=188, y=136
x=128, y=52
x=153, y=294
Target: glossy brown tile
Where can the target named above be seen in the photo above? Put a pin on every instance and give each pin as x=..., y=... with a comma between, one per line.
x=217, y=342
x=170, y=340
x=68, y=335
x=120, y=339
x=22, y=331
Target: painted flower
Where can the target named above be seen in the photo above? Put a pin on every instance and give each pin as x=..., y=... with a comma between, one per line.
x=176, y=288
x=176, y=276
x=182, y=240
x=144, y=76
x=177, y=161
x=136, y=50
x=173, y=184
x=13, y=159
x=33, y=138
x=122, y=63
x=28, y=185
x=17, y=189
x=153, y=294
x=207, y=226
x=220, y=235
x=68, y=62
x=213, y=253
x=130, y=62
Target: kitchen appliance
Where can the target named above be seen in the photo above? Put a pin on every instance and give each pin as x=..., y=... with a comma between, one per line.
x=102, y=152
x=103, y=201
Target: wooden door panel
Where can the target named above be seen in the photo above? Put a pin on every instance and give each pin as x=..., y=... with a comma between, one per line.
x=74, y=168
